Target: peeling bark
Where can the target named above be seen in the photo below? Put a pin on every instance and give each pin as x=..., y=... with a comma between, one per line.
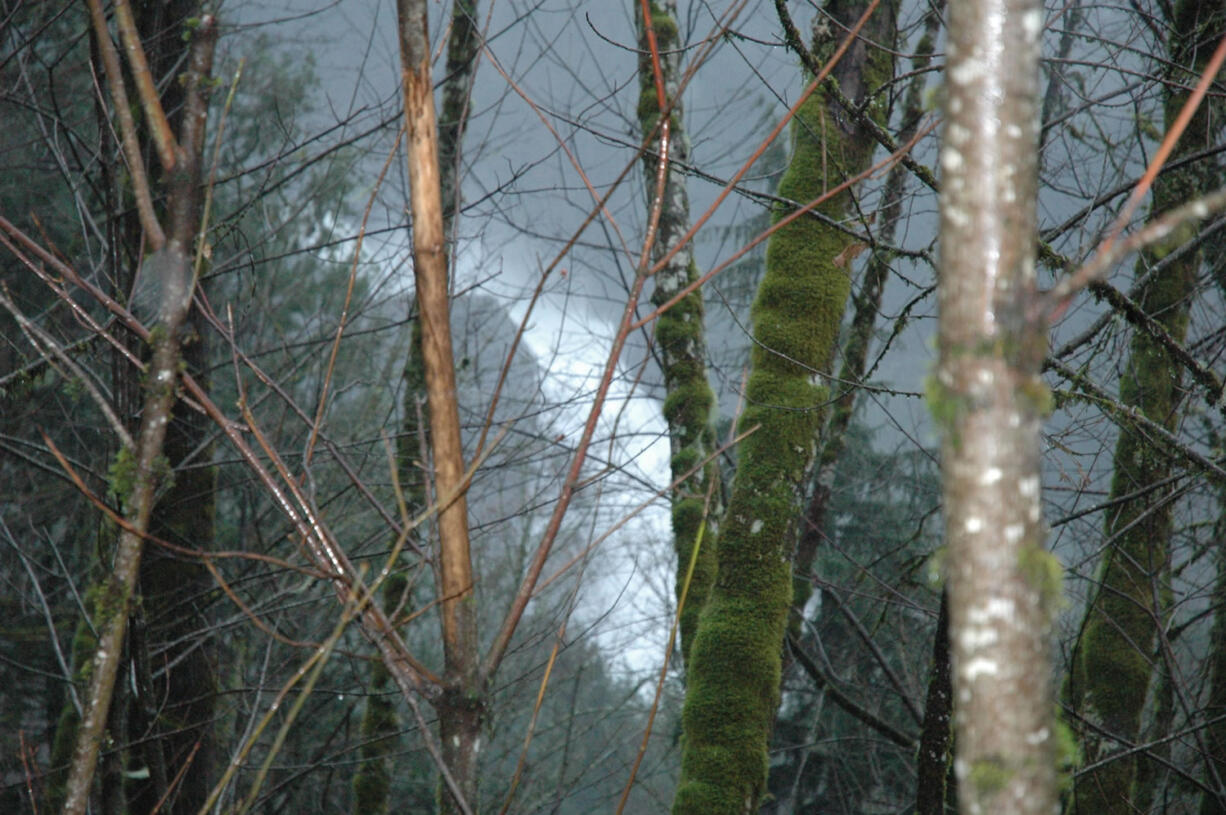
x=380, y=721
x=461, y=703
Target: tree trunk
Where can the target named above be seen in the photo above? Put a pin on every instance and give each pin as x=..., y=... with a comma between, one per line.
x=462, y=703
x=380, y=721
x=733, y=674
x=932, y=766
x=174, y=589
x=1213, y=799
x=1113, y=664
x=860, y=335
x=988, y=397
x=680, y=334
x=170, y=266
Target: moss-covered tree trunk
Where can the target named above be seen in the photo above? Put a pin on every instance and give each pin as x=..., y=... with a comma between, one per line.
x=734, y=667
x=380, y=724
x=792, y=783
x=680, y=333
x=864, y=320
x=1213, y=797
x=1113, y=665
x=859, y=336
x=987, y=394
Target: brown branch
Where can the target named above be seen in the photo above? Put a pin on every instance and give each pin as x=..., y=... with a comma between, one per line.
x=849, y=705
x=173, y=262
x=146, y=89
x=127, y=128
x=50, y=350
x=800, y=211
x=1168, y=142
x=1113, y=250
x=410, y=675
x=343, y=320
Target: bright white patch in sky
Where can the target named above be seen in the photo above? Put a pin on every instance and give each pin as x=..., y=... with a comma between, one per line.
x=630, y=576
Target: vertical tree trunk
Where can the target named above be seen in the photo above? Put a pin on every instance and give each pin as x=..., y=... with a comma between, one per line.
x=1213, y=799
x=932, y=765
x=680, y=333
x=462, y=47
x=179, y=705
x=791, y=783
x=167, y=712
x=380, y=722
x=171, y=266
x=734, y=668
x=867, y=303
x=461, y=707
x=989, y=398
x=1113, y=664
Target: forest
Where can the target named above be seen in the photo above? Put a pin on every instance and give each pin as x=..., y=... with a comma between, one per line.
x=537, y=406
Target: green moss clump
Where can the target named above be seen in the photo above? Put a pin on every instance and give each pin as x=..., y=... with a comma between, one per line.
x=84, y=644
x=946, y=406
x=121, y=475
x=1045, y=574
x=1038, y=397
x=1068, y=752
x=988, y=777
x=372, y=782
x=667, y=39
x=687, y=406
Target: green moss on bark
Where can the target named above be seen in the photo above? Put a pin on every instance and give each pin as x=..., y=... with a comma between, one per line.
x=378, y=730
x=380, y=724
x=666, y=35
x=735, y=664
x=102, y=601
x=680, y=335
x=1113, y=664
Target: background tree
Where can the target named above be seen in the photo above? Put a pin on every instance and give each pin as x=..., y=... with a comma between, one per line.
x=1120, y=646
x=680, y=339
x=733, y=676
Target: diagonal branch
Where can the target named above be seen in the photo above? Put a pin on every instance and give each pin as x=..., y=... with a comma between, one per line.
x=146, y=89
x=127, y=127
x=173, y=262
